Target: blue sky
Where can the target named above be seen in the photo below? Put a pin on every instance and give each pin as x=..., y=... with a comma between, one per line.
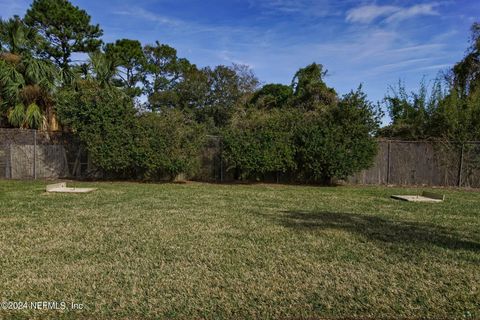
x=371, y=42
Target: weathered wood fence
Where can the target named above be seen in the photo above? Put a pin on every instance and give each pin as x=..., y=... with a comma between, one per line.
x=31, y=154
x=424, y=163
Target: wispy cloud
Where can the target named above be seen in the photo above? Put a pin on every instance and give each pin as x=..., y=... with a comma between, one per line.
x=417, y=10
x=141, y=13
x=438, y=67
x=369, y=13
x=316, y=8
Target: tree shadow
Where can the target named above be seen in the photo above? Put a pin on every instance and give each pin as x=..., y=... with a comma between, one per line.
x=379, y=229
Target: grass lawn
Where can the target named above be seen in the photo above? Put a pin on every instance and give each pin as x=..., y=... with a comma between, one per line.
x=197, y=250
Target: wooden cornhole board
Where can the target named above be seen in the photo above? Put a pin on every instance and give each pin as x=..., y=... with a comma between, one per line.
x=425, y=197
x=62, y=188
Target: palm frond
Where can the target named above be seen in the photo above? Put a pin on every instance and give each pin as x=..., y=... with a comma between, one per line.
x=41, y=72
x=10, y=82
x=103, y=68
x=16, y=116
x=33, y=116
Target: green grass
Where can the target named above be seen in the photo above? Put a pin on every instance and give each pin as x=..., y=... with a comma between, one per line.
x=196, y=250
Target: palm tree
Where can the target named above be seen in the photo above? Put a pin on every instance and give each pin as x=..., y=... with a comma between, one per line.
x=26, y=82
x=102, y=68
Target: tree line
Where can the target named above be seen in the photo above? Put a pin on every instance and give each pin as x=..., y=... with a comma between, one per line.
x=141, y=111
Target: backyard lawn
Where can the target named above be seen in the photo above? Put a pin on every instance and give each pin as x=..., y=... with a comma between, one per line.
x=132, y=250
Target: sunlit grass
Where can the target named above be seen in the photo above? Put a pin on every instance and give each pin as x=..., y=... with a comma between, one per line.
x=196, y=250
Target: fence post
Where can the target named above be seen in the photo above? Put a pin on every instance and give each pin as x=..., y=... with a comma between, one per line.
x=460, y=167
x=10, y=160
x=388, y=162
x=221, y=169
x=34, y=154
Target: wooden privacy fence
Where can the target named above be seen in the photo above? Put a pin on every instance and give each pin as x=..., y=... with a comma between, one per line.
x=423, y=163
x=410, y=163
x=31, y=154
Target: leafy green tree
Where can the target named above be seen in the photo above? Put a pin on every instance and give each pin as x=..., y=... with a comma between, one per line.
x=449, y=113
x=128, y=55
x=339, y=141
x=466, y=73
x=310, y=91
x=229, y=89
x=223, y=95
x=65, y=28
x=272, y=96
x=192, y=92
x=409, y=112
x=164, y=70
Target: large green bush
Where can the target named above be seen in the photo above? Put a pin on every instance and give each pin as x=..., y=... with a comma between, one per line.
x=333, y=141
x=122, y=144
x=260, y=142
x=103, y=118
x=339, y=141
x=166, y=145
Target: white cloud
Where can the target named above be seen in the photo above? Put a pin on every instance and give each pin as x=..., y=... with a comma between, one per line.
x=416, y=10
x=368, y=13
x=317, y=8
x=144, y=14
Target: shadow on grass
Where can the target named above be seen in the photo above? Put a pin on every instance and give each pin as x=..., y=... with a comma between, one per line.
x=379, y=229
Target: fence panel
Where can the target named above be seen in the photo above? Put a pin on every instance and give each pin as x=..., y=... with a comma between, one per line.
x=30, y=154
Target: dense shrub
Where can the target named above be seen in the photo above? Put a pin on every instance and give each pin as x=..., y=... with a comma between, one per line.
x=330, y=142
x=339, y=141
x=167, y=144
x=123, y=144
x=260, y=142
x=103, y=118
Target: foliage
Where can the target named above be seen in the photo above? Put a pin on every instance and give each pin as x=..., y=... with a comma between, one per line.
x=128, y=55
x=332, y=142
x=272, y=96
x=151, y=146
x=16, y=37
x=101, y=68
x=33, y=116
x=229, y=89
x=16, y=115
x=450, y=112
x=466, y=73
x=26, y=80
x=165, y=70
x=65, y=29
x=166, y=145
x=104, y=119
x=340, y=141
x=310, y=91
x=260, y=142
x=410, y=112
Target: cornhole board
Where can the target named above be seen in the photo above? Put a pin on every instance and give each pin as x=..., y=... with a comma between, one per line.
x=425, y=197
x=62, y=188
